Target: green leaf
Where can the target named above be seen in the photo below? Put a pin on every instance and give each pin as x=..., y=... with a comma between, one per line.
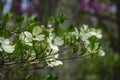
x=36, y=19
x=46, y=32
x=5, y=33
x=30, y=27
x=75, y=49
x=50, y=77
x=7, y=17
x=57, y=28
x=36, y=30
x=71, y=28
x=61, y=18
x=83, y=50
x=57, y=21
x=20, y=19
x=29, y=77
x=94, y=47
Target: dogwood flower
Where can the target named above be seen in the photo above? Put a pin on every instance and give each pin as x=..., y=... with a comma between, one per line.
x=96, y=33
x=51, y=61
x=76, y=33
x=35, y=35
x=101, y=52
x=84, y=33
x=5, y=45
x=54, y=42
x=55, y=63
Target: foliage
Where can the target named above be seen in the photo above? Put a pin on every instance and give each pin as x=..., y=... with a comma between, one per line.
x=25, y=43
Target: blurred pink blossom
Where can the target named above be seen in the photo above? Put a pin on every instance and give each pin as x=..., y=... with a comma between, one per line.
x=94, y=6
x=84, y=4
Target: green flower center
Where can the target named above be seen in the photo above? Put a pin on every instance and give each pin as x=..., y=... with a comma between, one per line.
x=52, y=41
x=34, y=36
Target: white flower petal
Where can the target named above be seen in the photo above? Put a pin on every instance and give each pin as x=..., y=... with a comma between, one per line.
x=28, y=43
x=84, y=35
x=2, y=39
x=56, y=55
x=33, y=56
x=36, y=30
x=99, y=36
x=92, y=33
x=85, y=27
x=1, y=49
x=49, y=25
x=49, y=41
x=59, y=41
x=27, y=39
x=76, y=30
x=55, y=63
x=76, y=33
x=6, y=41
x=39, y=37
x=54, y=47
x=51, y=36
x=87, y=42
x=22, y=36
x=101, y=52
x=28, y=34
x=8, y=48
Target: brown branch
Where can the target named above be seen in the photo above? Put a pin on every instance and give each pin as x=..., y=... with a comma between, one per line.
x=75, y=57
x=22, y=68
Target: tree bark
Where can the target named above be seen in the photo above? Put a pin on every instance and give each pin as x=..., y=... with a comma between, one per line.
x=118, y=24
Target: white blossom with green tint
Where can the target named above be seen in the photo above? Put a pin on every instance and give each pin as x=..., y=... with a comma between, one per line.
x=96, y=33
x=84, y=33
x=40, y=45
x=5, y=45
x=51, y=61
x=101, y=52
x=35, y=35
x=44, y=43
x=54, y=42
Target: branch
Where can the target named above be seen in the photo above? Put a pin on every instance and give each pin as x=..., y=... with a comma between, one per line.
x=75, y=57
x=22, y=68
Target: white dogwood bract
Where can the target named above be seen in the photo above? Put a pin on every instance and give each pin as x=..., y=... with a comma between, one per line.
x=5, y=45
x=101, y=52
x=51, y=61
x=54, y=42
x=55, y=63
x=96, y=33
x=35, y=35
x=86, y=33
x=58, y=41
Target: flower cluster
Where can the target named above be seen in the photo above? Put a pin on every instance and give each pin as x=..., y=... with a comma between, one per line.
x=35, y=35
x=43, y=44
x=87, y=35
x=51, y=60
x=52, y=43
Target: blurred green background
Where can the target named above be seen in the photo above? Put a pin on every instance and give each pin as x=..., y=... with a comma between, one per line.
x=104, y=14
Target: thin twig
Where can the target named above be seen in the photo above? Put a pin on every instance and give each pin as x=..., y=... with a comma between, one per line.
x=75, y=57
